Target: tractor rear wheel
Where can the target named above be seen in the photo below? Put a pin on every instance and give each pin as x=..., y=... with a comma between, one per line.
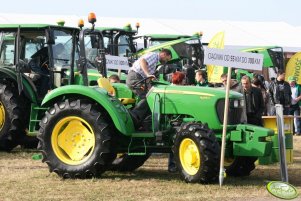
x=197, y=153
x=126, y=163
x=239, y=166
x=75, y=140
x=12, y=126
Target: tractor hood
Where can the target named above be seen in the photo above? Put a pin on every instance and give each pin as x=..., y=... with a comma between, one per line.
x=197, y=103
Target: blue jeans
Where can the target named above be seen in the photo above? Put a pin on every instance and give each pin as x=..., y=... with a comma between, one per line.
x=286, y=110
x=295, y=110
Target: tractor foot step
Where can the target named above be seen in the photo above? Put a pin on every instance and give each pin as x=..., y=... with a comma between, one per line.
x=159, y=136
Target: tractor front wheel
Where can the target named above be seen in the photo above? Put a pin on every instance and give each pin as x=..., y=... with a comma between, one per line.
x=75, y=140
x=197, y=153
x=239, y=166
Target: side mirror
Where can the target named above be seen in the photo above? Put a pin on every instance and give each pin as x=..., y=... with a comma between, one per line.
x=50, y=40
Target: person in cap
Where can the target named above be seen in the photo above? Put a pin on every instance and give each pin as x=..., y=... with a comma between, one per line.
x=296, y=100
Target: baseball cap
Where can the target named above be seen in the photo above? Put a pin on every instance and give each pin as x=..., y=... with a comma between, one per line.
x=291, y=79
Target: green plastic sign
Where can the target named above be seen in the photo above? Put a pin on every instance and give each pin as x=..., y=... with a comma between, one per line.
x=282, y=190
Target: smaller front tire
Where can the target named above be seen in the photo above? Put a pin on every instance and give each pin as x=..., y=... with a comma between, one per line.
x=240, y=166
x=197, y=153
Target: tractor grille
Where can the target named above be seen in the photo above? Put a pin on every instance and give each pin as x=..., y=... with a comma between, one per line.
x=235, y=115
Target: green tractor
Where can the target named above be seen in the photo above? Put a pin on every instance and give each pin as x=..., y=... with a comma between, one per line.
x=86, y=130
x=120, y=41
x=33, y=58
x=27, y=78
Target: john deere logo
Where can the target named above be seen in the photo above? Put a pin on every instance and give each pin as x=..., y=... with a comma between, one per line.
x=282, y=190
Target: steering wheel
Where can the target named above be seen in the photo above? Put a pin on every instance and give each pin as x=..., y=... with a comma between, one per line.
x=44, y=64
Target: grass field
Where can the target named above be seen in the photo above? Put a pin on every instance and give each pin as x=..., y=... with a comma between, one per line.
x=22, y=178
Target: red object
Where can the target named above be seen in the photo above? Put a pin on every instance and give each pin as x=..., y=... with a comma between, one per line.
x=177, y=77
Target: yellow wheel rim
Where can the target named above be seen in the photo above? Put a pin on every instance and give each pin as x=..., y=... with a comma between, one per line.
x=189, y=156
x=120, y=155
x=2, y=115
x=73, y=140
x=228, y=161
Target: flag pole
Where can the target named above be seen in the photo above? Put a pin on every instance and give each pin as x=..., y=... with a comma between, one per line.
x=226, y=110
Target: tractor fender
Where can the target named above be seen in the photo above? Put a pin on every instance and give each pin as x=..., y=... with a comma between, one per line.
x=117, y=112
x=29, y=88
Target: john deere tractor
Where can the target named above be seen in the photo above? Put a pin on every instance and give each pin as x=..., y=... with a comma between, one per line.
x=88, y=129
x=120, y=41
x=35, y=59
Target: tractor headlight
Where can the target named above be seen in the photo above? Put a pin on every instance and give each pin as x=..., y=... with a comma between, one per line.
x=242, y=103
x=236, y=103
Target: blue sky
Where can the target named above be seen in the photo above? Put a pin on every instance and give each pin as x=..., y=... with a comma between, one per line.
x=237, y=10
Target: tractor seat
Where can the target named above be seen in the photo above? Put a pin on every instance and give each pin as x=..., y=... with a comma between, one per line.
x=105, y=84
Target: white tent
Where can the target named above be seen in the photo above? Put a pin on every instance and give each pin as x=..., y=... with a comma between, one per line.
x=237, y=33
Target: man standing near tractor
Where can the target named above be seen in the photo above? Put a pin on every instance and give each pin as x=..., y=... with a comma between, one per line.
x=144, y=69
x=280, y=93
x=254, y=104
x=294, y=108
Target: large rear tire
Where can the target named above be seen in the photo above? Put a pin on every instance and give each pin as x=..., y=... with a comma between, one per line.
x=75, y=140
x=239, y=166
x=197, y=153
x=12, y=119
x=126, y=163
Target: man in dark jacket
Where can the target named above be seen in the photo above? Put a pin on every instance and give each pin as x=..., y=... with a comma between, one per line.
x=280, y=93
x=254, y=103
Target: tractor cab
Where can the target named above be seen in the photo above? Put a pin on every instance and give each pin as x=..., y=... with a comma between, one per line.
x=34, y=59
x=36, y=53
x=120, y=41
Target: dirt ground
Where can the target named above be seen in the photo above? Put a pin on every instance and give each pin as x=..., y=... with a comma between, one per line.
x=22, y=178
